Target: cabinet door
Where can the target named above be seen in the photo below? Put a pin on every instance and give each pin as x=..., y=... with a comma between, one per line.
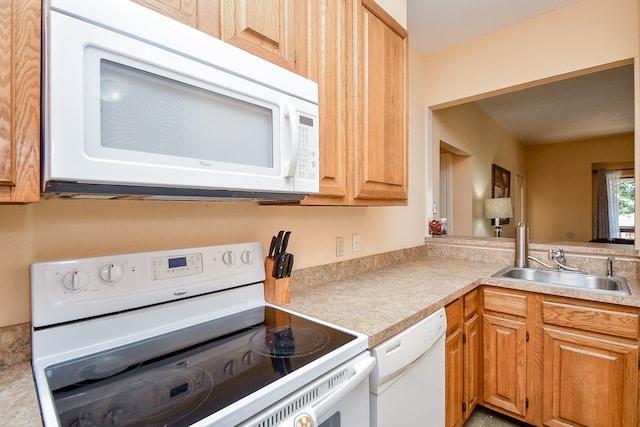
x=505, y=363
x=380, y=156
x=265, y=28
x=180, y=10
x=454, y=365
x=472, y=360
x=588, y=381
x=327, y=65
x=20, y=23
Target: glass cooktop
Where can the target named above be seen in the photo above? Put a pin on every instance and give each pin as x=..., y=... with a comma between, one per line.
x=184, y=376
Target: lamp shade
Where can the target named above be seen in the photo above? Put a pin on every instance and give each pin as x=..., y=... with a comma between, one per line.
x=498, y=208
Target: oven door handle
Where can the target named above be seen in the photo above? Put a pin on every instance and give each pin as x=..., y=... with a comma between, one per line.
x=362, y=369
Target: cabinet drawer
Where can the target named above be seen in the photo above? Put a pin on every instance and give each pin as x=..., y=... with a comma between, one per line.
x=471, y=303
x=454, y=316
x=610, y=322
x=505, y=302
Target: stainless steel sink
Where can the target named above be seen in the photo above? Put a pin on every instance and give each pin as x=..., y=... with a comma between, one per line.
x=591, y=282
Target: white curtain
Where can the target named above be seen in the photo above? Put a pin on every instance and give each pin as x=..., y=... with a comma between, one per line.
x=605, y=222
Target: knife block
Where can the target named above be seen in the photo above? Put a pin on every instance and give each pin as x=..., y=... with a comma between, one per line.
x=276, y=291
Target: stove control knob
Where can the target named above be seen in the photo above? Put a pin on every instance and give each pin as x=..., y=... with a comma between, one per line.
x=75, y=280
x=111, y=273
x=249, y=358
x=229, y=257
x=247, y=257
x=230, y=368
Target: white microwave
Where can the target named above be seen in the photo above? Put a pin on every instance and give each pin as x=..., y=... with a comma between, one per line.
x=137, y=105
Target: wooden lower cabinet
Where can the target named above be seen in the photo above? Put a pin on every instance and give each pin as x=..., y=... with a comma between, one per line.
x=463, y=355
x=590, y=364
x=454, y=382
x=511, y=362
x=545, y=360
x=505, y=367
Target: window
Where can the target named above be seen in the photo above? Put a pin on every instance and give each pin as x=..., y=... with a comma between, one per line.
x=627, y=207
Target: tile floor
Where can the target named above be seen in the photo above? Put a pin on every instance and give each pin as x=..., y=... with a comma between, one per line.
x=483, y=417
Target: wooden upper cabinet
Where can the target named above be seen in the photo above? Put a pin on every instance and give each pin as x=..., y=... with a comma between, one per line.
x=360, y=56
x=184, y=11
x=325, y=60
x=380, y=156
x=266, y=28
x=20, y=23
x=263, y=27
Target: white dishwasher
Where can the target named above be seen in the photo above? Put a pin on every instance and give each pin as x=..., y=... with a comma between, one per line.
x=407, y=385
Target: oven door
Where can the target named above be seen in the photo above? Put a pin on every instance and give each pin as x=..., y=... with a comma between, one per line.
x=339, y=398
x=124, y=111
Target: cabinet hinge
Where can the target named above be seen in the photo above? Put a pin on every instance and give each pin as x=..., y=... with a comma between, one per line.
x=526, y=336
x=295, y=56
x=464, y=338
x=464, y=406
x=526, y=403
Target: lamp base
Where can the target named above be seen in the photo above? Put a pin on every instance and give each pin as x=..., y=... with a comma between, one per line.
x=498, y=230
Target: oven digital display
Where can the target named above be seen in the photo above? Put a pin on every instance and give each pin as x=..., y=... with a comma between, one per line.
x=308, y=121
x=177, y=262
x=177, y=391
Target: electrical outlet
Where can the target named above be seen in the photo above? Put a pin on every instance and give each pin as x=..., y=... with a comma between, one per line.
x=355, y=242
x=340, y=246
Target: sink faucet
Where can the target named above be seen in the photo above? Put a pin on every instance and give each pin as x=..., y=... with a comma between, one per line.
x=610, y=266
x=558, y=256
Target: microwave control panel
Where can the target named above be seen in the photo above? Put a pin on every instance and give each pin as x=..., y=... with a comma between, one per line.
x=308, y=152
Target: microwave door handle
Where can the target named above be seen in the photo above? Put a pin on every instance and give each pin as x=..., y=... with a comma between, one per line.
x=362, y=370
x=291, y=162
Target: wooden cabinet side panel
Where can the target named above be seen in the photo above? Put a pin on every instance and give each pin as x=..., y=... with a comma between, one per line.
x=505, y=363
x=589, y=381
x=7, y=148
x=20, y=101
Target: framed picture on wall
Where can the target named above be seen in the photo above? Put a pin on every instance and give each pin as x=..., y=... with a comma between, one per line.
x=500, y=185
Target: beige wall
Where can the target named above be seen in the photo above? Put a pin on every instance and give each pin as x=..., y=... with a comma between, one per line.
x=567, y=41
x=471, y=131
x=559, y=185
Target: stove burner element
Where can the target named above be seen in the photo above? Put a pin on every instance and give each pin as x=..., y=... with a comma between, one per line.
x=286, y=342
x=157, y=397
x=103, y=367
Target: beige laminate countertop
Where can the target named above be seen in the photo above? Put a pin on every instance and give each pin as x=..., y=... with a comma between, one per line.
x=384, y=302
x=378, y=304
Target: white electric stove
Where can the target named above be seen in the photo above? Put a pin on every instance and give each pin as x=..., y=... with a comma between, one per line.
x=184, y=337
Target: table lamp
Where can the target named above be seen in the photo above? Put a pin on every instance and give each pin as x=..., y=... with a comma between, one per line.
x=495, y=209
